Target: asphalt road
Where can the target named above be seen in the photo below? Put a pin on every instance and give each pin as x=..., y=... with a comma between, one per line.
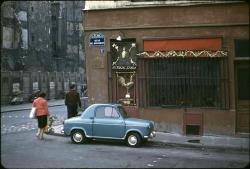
x=21, y=149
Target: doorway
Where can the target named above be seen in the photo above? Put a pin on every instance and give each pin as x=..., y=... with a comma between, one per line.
x=242, y=83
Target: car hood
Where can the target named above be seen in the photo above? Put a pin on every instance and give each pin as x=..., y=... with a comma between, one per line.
x=72, y=119
x=136, y=121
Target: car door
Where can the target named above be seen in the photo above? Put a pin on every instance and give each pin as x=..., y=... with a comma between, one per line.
x=108, y=123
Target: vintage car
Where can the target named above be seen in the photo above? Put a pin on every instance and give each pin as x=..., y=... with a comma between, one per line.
x=108, y=121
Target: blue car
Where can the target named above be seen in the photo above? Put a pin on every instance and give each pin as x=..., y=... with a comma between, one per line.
x=108, y=121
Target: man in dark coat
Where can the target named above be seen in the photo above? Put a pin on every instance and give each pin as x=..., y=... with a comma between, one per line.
x=72, y=100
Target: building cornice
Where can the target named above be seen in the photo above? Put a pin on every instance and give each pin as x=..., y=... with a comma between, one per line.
x=163, y=27
x=132, y=5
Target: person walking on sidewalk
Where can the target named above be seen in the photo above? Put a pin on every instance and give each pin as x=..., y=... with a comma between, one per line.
x=42, y=112
x=72, y=100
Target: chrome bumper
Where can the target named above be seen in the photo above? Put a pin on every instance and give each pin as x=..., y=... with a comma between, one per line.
x=151, y=135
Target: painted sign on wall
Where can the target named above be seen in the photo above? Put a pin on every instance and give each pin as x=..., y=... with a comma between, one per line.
x=123, y=55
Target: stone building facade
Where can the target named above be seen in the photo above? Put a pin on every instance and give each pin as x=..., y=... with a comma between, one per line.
x=41, y=36
x=183, y=64
x=47, y=40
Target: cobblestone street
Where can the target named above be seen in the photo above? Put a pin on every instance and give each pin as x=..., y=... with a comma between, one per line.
x=13, y=122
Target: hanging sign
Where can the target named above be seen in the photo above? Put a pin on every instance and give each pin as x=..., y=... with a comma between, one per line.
x=97, y=39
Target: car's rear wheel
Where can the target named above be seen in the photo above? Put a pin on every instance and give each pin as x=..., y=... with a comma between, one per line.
x=78, y=137
x=134, y=139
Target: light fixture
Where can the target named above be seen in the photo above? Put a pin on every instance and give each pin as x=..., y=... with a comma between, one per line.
x=119, y=38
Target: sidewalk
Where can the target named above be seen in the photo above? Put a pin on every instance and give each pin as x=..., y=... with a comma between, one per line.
x=177, y=140
x=27, y=106
x=164, y=139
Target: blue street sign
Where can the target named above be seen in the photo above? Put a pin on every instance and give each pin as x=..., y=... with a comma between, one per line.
x=97, y=39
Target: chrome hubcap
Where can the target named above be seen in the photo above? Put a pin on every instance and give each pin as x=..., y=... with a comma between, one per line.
x=77, y=137
x=132, y=140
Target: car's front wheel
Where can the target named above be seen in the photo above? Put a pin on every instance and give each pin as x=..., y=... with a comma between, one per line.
x=78, y=136
x=134, y=140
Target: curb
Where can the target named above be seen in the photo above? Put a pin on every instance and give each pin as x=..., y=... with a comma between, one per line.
x=184, y=145
x=200, y=146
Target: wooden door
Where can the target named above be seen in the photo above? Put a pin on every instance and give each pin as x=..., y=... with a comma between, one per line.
x=242, y=96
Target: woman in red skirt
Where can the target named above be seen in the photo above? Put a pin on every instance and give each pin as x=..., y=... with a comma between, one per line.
x=42, y=112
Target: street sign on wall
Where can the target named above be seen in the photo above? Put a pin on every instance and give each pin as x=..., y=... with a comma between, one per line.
x=97, y=39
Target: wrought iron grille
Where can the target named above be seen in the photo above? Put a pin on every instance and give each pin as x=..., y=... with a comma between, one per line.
x=178, y=82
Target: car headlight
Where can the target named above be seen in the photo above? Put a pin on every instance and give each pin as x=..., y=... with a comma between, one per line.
x=152, y=134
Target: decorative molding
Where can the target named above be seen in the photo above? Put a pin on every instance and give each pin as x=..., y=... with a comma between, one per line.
x=185, y=53
x=96, y=28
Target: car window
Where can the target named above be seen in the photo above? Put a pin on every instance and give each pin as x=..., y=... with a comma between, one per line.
x=106, y=112
x=114, y=113
x=88, y=113
x=100, y=112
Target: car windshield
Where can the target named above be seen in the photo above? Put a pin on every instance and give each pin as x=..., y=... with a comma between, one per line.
x=122, y=112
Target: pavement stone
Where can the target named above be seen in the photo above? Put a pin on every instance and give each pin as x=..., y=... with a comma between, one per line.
x=162, y=138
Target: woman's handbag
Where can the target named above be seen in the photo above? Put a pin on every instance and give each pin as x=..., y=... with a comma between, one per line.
x=32, y=113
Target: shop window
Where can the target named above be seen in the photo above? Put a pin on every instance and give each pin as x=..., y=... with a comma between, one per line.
x=183, y=82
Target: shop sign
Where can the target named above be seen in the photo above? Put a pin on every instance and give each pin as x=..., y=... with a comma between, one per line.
x=124, y=56
x=97, y=39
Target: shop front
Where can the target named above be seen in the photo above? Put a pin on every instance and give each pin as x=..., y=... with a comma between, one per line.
x=178, y=73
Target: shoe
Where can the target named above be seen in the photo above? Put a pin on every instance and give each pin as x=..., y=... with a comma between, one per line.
x=41, y=136
x=37, y=134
